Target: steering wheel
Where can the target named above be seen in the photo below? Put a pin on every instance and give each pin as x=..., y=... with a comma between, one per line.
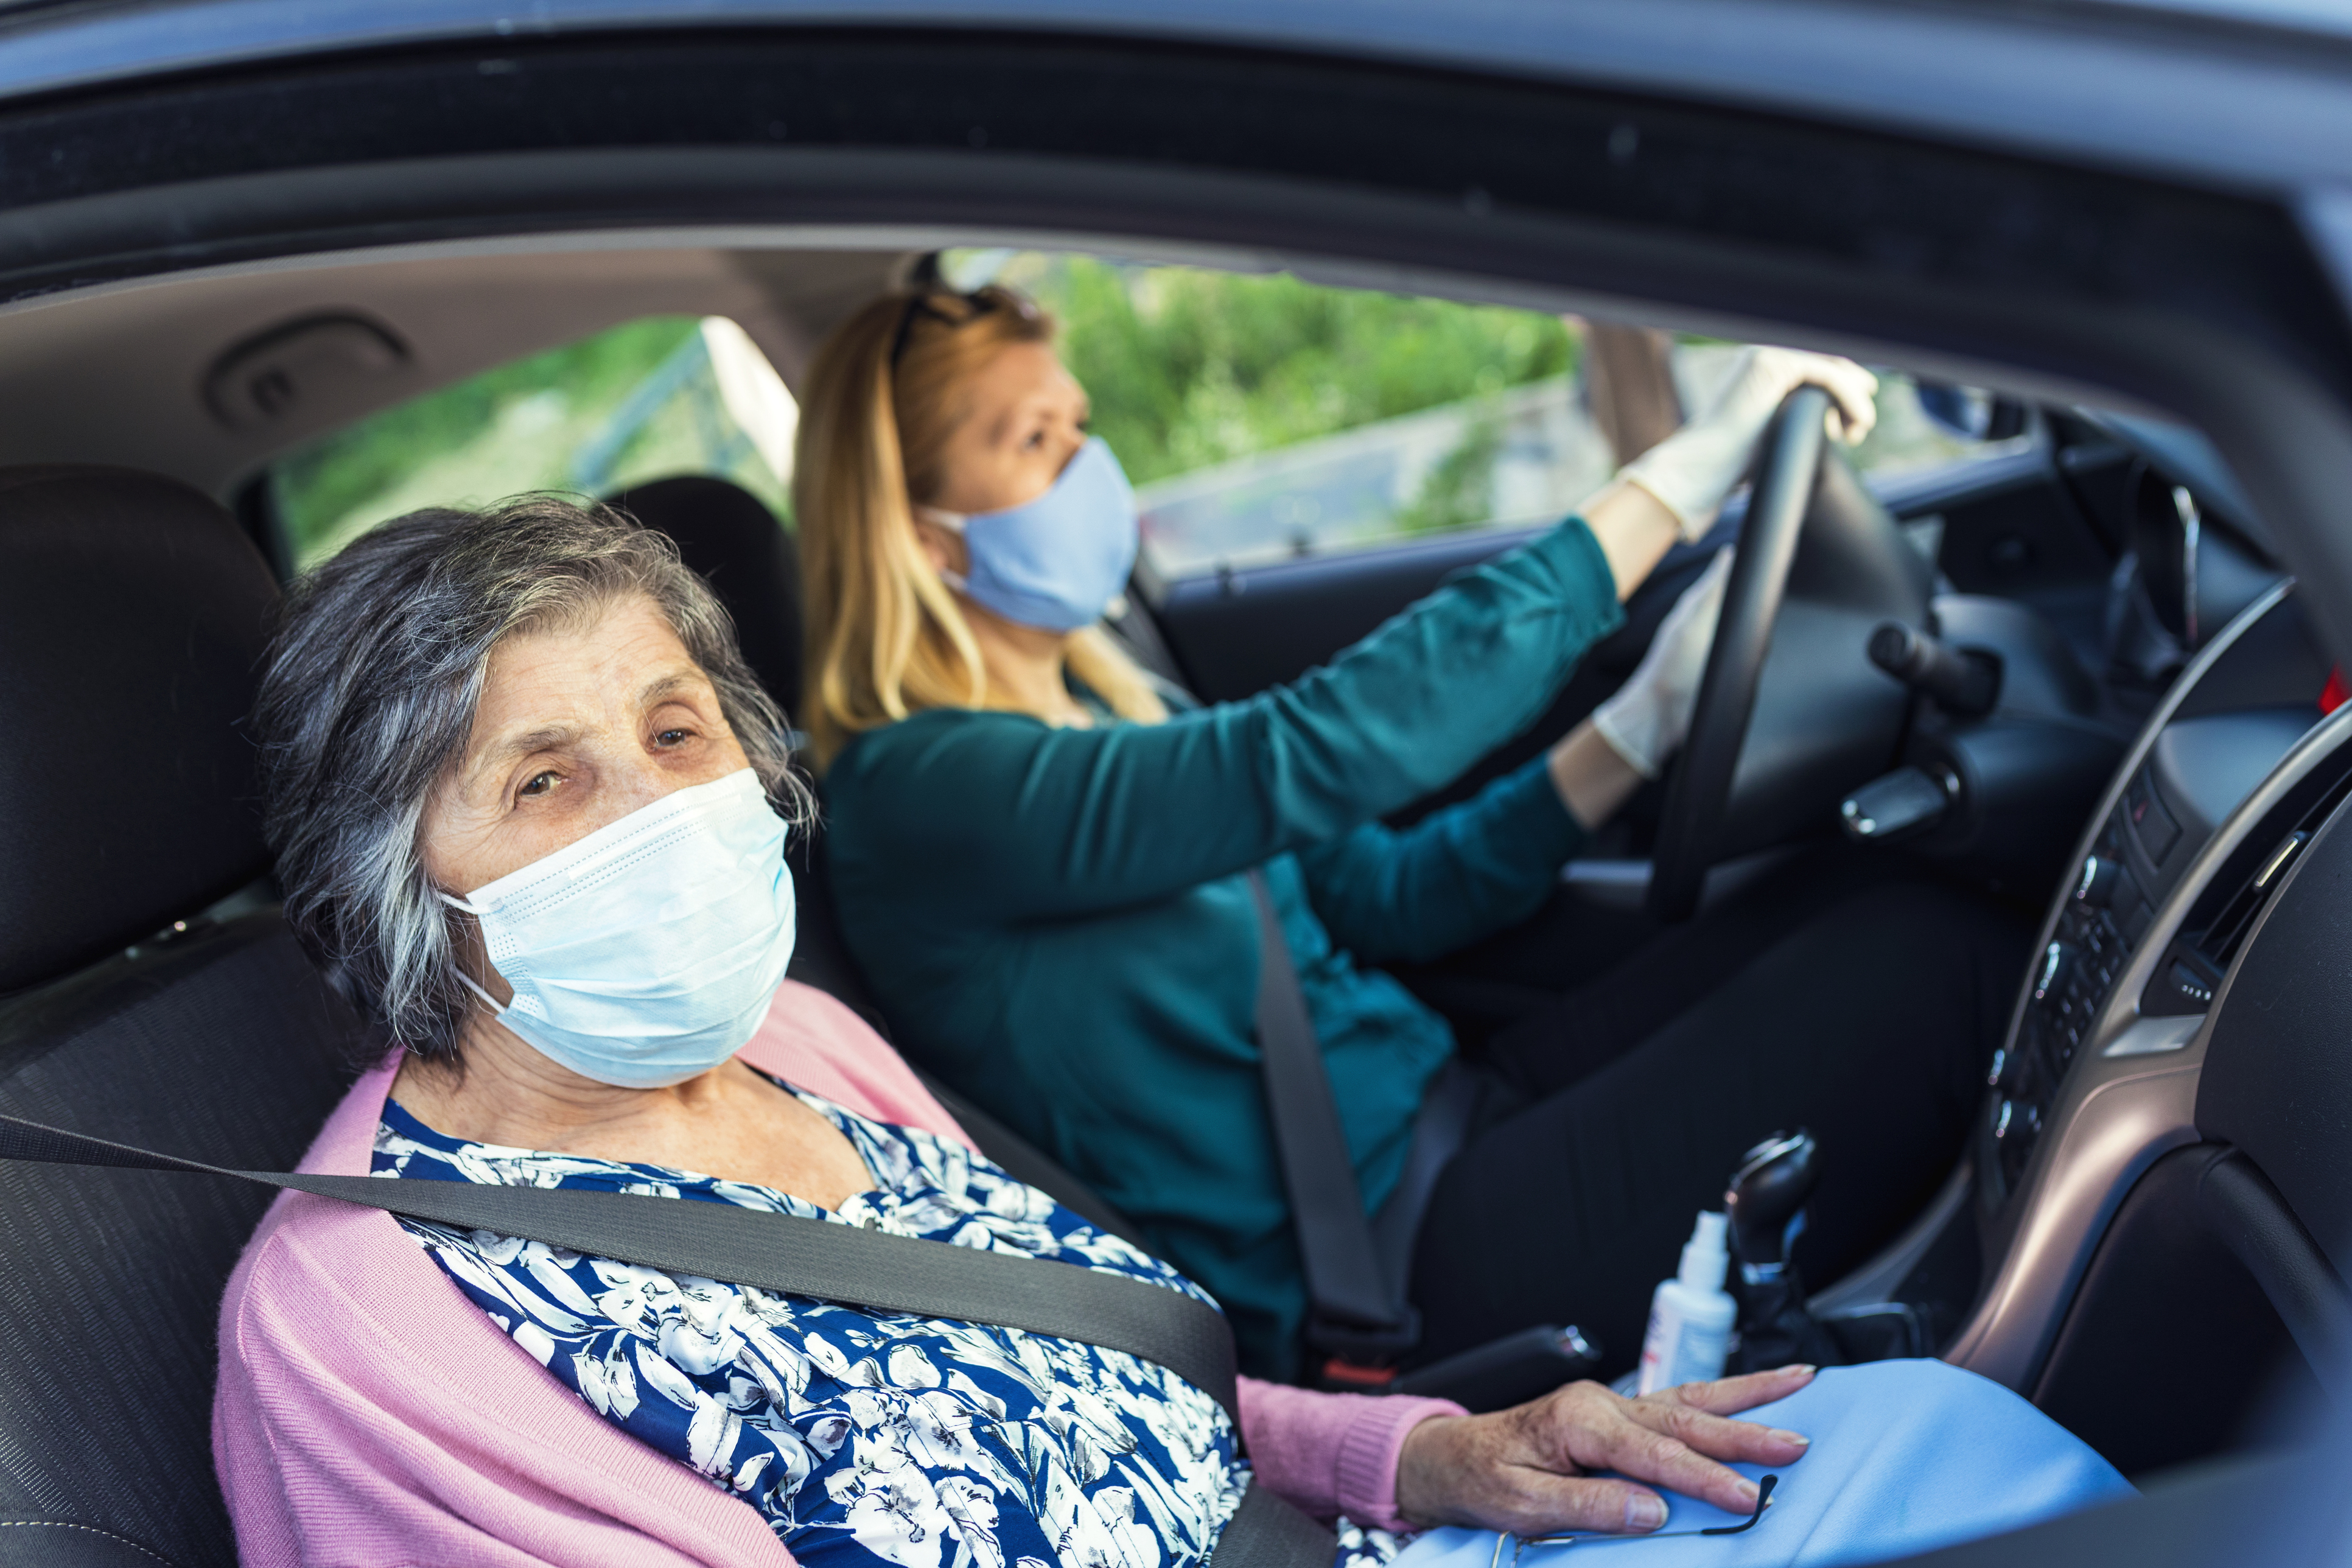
x=1696, y=797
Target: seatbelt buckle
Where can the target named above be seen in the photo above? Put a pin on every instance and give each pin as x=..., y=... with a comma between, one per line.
x=1341, y=1376
x=1361, y=1358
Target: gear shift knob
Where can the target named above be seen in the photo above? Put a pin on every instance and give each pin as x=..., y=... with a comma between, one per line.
x=1766, y=1200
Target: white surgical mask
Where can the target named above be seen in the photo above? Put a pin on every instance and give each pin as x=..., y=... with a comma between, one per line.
x=648, y=952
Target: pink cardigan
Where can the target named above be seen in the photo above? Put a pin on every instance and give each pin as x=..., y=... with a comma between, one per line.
x=368, y=1413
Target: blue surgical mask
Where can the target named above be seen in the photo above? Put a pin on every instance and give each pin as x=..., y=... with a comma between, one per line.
x=648, y=952
x=1056, y=562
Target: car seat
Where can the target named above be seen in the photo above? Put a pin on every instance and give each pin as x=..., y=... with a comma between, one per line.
x=749, y=558
x=136, y=1003
x=133, y=613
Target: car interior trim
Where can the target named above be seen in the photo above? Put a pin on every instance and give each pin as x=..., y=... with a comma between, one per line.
x=2130, y=1095
x=1930, y=70
x=2153, y=1037
x=2260, y=1227
x=2105, y=1137
x=2128, y=768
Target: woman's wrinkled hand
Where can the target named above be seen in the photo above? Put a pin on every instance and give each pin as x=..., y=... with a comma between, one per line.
x=1528, y=1469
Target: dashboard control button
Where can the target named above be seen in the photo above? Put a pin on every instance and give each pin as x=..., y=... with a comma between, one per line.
x=2095, y=887
x=2057, y=959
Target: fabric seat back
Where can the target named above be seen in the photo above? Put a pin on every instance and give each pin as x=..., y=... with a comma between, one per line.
x=133, y=613
x=728, y=535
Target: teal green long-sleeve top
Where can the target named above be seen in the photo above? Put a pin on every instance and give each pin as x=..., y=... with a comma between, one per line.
x=1059, y=921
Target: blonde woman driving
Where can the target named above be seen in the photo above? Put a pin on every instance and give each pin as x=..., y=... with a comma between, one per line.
x=1044, y=871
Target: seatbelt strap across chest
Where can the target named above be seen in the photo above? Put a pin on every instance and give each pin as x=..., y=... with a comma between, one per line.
x=796, y=1257
x=1354, y=1312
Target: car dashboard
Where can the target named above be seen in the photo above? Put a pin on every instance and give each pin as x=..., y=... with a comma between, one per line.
x=2096, y=1076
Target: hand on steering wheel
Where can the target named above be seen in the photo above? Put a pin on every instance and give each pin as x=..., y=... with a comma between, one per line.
x=1692, y=470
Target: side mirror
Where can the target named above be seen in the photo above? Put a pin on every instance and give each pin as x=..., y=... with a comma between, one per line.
x=1972, y=412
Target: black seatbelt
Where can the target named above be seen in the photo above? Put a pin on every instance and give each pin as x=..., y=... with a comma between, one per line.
x=795, y=1257
x=1355, y=1315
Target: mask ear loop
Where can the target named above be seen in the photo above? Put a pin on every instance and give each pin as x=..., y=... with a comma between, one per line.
x=498, y=1009
x=953, y=521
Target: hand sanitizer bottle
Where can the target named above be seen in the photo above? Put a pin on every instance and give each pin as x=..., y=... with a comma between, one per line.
x=1691, y=1315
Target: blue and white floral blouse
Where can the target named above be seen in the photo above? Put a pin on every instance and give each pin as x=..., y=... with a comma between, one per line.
x=859, y=1435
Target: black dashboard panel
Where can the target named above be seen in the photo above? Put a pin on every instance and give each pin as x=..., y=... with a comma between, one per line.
x=2277, y=1080
x=2196, y=775
x=2276, y=662
x=2203, y=767
x=2195, y=772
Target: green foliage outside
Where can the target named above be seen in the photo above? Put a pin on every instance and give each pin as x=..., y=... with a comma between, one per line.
x=1459, y=491
x=1187, y=368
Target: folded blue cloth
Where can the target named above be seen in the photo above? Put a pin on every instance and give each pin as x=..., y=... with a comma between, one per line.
x=1907, y=1456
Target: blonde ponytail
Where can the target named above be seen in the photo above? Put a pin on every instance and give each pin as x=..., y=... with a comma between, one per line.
x=885, y=636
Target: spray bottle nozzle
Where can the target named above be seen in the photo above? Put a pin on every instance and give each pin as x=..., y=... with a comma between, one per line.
x=1706, y=1256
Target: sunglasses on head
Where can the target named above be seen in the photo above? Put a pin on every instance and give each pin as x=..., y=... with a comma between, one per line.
x=935, y=303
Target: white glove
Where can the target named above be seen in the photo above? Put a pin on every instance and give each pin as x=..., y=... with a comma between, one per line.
x=1646, y=719
x=1694, y=469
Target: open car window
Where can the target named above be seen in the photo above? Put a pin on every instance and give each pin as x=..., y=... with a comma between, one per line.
x=1263, y=417
x=643, y=400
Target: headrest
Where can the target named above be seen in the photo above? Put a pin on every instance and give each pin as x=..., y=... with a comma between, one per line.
x=728, y=535
x=133, y=613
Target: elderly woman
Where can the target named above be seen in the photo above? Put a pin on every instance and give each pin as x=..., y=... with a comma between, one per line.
x=530, y=809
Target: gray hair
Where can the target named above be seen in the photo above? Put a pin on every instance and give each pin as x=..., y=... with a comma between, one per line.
x=368, y=697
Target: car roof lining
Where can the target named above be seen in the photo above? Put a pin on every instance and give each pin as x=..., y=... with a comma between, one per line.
x=115, y=373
